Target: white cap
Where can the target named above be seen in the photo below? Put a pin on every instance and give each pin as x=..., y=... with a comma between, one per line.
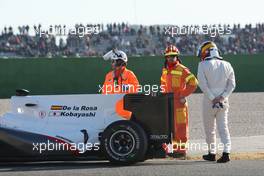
x=115, y=54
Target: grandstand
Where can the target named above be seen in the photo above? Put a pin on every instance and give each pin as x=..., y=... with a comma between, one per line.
x=135, y=40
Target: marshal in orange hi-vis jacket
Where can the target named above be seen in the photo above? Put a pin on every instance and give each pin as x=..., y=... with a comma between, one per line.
x=177, y=79
x=120, y=80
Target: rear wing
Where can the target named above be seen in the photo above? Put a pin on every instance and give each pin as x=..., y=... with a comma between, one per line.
x=154, y=113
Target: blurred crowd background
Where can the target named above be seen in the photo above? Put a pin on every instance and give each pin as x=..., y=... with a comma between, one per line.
x=135, y=40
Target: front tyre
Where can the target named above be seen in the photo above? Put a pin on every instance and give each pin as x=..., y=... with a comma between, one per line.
x=124, y=142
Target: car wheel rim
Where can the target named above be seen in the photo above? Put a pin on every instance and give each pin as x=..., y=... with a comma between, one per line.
x=122, y=143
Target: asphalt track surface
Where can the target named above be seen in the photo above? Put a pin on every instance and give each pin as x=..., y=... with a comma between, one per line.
x=246, y=118
x=150, y=167
x=246, y=115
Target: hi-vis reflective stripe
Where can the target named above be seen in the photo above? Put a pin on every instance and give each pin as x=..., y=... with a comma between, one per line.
x=165, y=72
x=189, y=77
x=174, y=72
x=162, y=80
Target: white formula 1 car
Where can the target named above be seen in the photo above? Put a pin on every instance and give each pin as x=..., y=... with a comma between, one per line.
x=85, y=127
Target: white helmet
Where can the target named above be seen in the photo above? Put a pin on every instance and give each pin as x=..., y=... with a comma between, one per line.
x=208, y=50
x=115, y=54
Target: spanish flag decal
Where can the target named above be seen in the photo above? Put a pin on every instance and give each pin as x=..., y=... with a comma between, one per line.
x=56, y=107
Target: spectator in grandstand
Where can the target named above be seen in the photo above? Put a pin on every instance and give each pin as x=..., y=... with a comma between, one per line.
x=135, y=40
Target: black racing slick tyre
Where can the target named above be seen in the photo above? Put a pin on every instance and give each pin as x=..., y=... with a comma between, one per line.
x=124, y=142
